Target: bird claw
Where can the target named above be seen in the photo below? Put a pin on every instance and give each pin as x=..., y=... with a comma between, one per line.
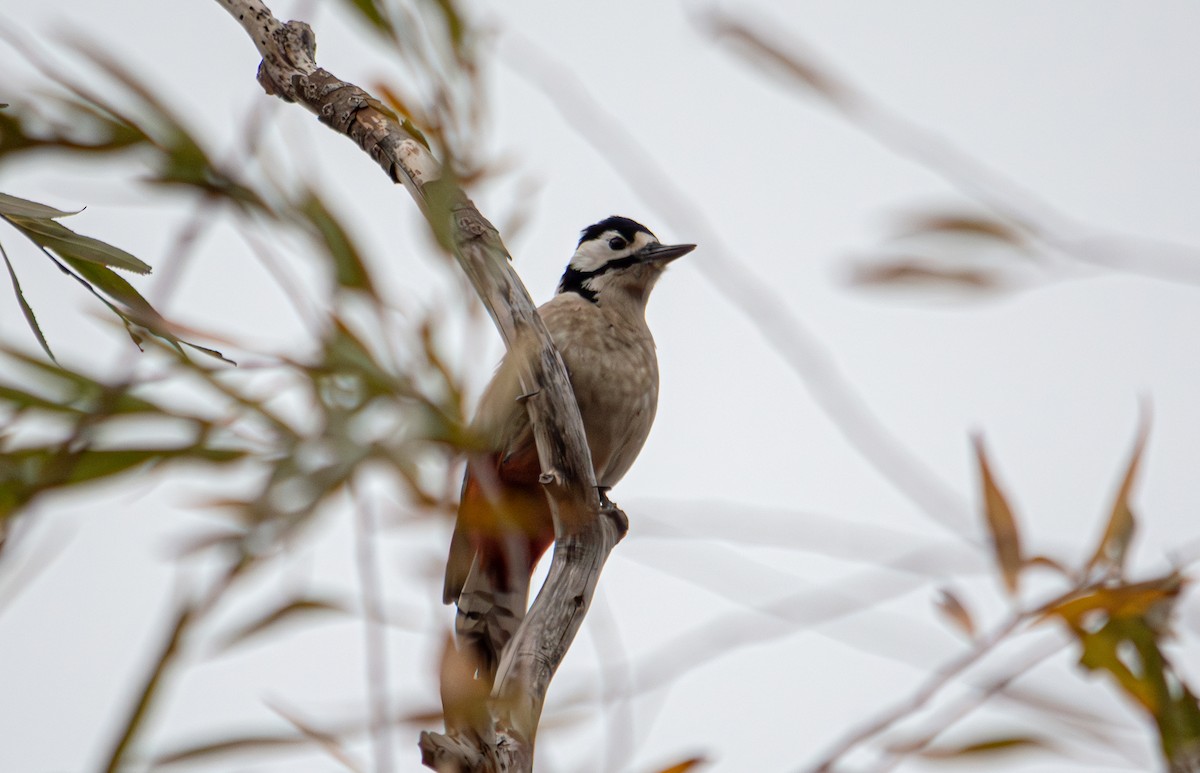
x=610, y=510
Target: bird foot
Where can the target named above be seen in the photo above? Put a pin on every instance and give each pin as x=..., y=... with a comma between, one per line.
x=610, y=510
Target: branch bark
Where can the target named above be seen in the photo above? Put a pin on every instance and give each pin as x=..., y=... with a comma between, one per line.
x=584, y=533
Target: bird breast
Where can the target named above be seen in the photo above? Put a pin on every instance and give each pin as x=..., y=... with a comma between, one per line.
x=611, y=361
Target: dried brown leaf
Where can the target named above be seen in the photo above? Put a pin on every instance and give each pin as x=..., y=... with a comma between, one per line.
x=1149, y=600
x=464, y=698
x=792, y=63
x=952, y=608
x=952, y=223
x=684, y=766
x=914, y=271
x=989, y=746
x=1006, y=538
x=229, y=746
x=1118, y=533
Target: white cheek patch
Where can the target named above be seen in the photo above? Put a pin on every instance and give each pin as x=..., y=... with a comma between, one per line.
x=593, y=254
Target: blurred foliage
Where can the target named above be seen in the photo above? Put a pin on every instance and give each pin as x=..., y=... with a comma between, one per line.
x=1121, y=629
x=691, y=763
x=360, y=404
x=1002, y=525
x=360, y=409
x=955, y=249
x=83, y=408
x=76, y=122
x=371, y=401
x=1121, y=625
x=441, y=100
x=90, y=262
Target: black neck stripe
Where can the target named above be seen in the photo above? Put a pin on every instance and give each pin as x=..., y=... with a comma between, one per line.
x=573, y=279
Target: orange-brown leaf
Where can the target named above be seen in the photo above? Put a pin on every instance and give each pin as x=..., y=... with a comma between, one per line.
x=685, y=766
x=1128, y=600
x=962, y=224
x=1006, y=538
x=990, y=746
x=949, y=605
x=1121, y=522
x=464, y=698
x=914, y=271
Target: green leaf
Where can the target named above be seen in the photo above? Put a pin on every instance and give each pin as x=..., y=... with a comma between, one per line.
x=69, y=391
x=370, y=11
x=107, y=131
x=347, y=355
x=1140, y=599
x=1006, y=538
x=26, y=309
x=68, y=244
x=18, y=207
x=28, y=472
x=182, y=158
x=91, y=259
x=116, y=287
x=13, y=137
x=137, y=309
x=184, y=162
x=350, y=271
x=92, y=464
x=102, y=131
x=25, y=400
x=1121, y=630
x=989, y=746
x=455, y=27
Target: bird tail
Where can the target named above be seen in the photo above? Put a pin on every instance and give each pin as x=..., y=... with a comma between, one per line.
x=489, y=616
x=503, y=528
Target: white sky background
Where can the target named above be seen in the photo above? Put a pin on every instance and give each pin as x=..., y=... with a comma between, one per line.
x=1090, y=106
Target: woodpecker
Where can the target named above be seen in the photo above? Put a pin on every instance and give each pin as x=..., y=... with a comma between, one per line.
x=597, y=319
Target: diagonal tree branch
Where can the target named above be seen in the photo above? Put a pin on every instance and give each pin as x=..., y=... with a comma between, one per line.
x=584, y=533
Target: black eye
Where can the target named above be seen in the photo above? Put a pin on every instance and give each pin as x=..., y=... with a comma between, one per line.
x=617, y=243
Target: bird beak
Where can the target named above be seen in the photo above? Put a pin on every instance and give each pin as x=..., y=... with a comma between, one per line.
x=664, y=253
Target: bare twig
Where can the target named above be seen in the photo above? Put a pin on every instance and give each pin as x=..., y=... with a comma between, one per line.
x=330, y=743
x=616, y=687
x=1034, y=216
x=774, y=316
x=583, y=537
x=166, y=658
x=185, y=620
x=924, y=693
x=374, y=632
x=953, y=714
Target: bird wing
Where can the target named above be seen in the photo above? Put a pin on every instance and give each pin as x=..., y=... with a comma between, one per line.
x=501, y=496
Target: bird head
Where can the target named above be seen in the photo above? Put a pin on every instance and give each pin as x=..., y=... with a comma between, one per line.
x=618, y=257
